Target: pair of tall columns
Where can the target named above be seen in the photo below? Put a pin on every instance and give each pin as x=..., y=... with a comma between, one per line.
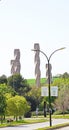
x=37, y=65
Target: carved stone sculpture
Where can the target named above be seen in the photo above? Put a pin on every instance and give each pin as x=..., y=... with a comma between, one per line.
x=37, y=64
x=48, y=73
x=15, y=64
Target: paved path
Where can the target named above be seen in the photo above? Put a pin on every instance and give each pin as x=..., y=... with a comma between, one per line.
x=37, y=125
x=64, y=128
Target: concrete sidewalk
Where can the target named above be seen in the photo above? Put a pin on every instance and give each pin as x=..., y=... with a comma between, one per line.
x=38, y=125
x=63, y=128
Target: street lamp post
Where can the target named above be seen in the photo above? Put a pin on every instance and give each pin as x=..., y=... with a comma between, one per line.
x=48, y=60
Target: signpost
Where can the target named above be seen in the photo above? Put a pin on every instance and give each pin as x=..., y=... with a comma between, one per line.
x=44, y=91
x=54, y=91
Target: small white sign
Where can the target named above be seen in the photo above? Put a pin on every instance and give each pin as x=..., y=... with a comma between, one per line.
x=44, y=91
x=54, y=91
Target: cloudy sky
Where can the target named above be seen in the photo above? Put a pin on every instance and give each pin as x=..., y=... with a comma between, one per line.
x=25, y=22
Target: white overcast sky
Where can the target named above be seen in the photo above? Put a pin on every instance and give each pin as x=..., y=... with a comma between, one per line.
x=25, y=22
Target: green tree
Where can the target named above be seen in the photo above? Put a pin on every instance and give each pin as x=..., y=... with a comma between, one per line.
x=62, y=102
x=7, y=89
x=65, y=75
x=19, y=84
x=17, y=106
x=32, y=101
x=2, y=105
x=35, y=94
x=3, y=79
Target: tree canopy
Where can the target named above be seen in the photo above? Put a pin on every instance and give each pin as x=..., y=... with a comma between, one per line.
x=19, y=84
x=17, y=106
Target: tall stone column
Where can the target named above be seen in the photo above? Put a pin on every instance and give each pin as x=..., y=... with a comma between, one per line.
x=37, y=64
x=47, y=75
x=15, y=64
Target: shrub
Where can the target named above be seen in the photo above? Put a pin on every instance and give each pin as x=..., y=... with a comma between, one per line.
x=28, y=114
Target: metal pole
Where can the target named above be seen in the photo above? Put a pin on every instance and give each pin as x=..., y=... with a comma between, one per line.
x=49, y=92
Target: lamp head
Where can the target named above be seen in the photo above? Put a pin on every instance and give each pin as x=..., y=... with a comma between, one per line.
x=35, y=50
x=62, y=48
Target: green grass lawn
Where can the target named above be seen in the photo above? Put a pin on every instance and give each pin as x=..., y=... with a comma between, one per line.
x=32, y=82
x=65, y=116
x=24, y=121
x=34, y=120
